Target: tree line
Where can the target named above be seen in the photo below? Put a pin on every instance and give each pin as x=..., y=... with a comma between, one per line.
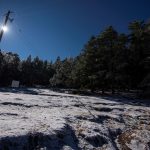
x=108, y=61
x=29, y=72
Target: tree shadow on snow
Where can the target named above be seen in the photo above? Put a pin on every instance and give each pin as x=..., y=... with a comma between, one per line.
x=19, y=90
x=129, y=101
x=31, y=141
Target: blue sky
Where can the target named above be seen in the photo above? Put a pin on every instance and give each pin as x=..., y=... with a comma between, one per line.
x=51, y=28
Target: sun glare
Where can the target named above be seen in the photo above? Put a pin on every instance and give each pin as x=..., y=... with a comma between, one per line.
x=5, y=28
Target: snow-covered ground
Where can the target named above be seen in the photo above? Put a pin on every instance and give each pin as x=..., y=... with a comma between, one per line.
x=42, y=119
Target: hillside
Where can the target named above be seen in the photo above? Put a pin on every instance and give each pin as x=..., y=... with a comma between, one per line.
x=43, y=119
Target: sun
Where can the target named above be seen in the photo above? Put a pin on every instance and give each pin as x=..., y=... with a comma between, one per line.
x=5, y=28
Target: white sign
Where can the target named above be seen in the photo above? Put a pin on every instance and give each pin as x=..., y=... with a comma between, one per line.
x=15, y=84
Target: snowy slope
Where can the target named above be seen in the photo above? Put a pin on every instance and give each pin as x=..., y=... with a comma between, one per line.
x=43, y=119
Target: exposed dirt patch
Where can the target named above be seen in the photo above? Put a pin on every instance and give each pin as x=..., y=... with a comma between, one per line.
x=125, y=138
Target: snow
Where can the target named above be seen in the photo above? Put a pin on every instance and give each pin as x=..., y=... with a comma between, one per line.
x=44, y=119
